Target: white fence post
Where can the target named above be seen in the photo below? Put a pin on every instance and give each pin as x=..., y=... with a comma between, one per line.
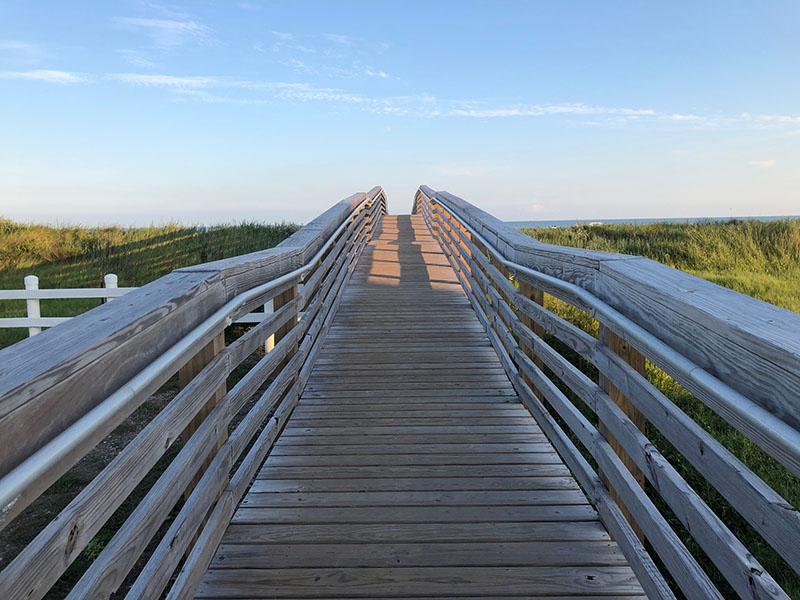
x=110, y=281
x=32, y=283
x=268, y=309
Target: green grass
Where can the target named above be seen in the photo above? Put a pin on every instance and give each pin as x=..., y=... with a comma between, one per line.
x=65, y=257
x=761, y=259
x=757, y=258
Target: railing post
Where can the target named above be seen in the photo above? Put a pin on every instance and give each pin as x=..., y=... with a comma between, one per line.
x=185, y=375
x=32, y=283
x=637, y=361
x=110, y=281
x=537, y=295
x=280, y=300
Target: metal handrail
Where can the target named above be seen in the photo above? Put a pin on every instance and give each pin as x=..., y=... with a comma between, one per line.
x=780, y=433
x=49, y=455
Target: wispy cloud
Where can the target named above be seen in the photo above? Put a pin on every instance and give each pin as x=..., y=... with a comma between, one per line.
x=164, y=33
x=169, y=81
x=370, y=72
x=230, y=90
x=338, y=38
x=46, y=75
x=764, y=164
x=538, y=110
x=21, y=52
x=136, y=59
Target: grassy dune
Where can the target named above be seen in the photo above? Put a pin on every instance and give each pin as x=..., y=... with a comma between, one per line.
x=757, y=258
x=64, y=257
x=761, y=259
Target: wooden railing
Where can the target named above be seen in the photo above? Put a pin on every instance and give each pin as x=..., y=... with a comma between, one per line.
x=67, y=389
x=737, y=355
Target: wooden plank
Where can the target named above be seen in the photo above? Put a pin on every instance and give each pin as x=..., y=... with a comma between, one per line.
x=185, y=375
x=413, y=484
x=472, y=460
x=511, y=531
x=413, y=514
x=273, y=469
x=397, y=430
x=414, y=498
x=539, y=553
x=369, y=582
x=378, y=440
x=397, y=448
x=635, y=359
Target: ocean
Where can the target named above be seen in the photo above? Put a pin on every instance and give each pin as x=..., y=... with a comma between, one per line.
x=571, y=222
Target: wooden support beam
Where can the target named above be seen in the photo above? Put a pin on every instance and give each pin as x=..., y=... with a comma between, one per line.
x=185, y=375
x=637, y=361
x=283, y=331
x=537, y=295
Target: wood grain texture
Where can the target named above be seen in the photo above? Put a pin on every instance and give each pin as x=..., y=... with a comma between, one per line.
x=409, y=466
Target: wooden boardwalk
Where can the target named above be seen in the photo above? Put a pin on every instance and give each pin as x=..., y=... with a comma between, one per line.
x=409, y=468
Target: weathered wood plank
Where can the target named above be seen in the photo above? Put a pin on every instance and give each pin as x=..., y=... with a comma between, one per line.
x=458, y=554
x=414, y=484
x=368, y=582
x=325, y=533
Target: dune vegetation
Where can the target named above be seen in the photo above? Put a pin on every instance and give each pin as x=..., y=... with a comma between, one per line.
x=757, y=258
x=761, y=259
x=72, y=256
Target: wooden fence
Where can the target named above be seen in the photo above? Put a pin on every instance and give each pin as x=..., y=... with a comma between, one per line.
x=737, y=355
x=33, y=295
x=64, y=391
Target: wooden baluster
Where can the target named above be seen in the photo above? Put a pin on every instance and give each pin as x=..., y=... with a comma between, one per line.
x=186, y=373
x=637, y=361
x=537, y=295
x=283, y=330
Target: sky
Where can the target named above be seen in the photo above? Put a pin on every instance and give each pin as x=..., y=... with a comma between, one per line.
x=136, y=112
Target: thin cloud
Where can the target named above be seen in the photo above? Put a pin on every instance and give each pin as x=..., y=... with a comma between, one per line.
x=370, y=72
x=164, y=32
x=538, y=110
x=764, y=164
x=168, y=81
x=337, y=38
x=46, y=75
x=21, y=52
x=136, y=59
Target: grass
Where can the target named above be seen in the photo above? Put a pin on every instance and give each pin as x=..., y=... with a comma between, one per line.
x=761, y=259
x=80, y=257
x=757, y=258
x=65, y=257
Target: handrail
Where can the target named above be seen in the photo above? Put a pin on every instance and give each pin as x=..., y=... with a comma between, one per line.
x=326, y=250
x=487, y=257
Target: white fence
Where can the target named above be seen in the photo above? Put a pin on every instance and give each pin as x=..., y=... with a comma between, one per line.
x=32, y=295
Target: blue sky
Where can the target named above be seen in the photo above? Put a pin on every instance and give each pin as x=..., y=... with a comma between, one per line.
x=136, y=112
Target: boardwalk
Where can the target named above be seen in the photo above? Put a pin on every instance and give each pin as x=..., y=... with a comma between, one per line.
x=409, y=468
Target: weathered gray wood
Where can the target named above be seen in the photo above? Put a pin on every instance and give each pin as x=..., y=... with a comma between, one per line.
x=93, y=355
x=742, y=340
x=475, y=581
x=473, y=464
x=400, y=473
x=540, y=553
x=327, y=533
x=165, y=558
x=641, y=562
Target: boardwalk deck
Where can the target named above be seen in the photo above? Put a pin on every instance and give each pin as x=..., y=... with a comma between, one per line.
x=409, y=468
